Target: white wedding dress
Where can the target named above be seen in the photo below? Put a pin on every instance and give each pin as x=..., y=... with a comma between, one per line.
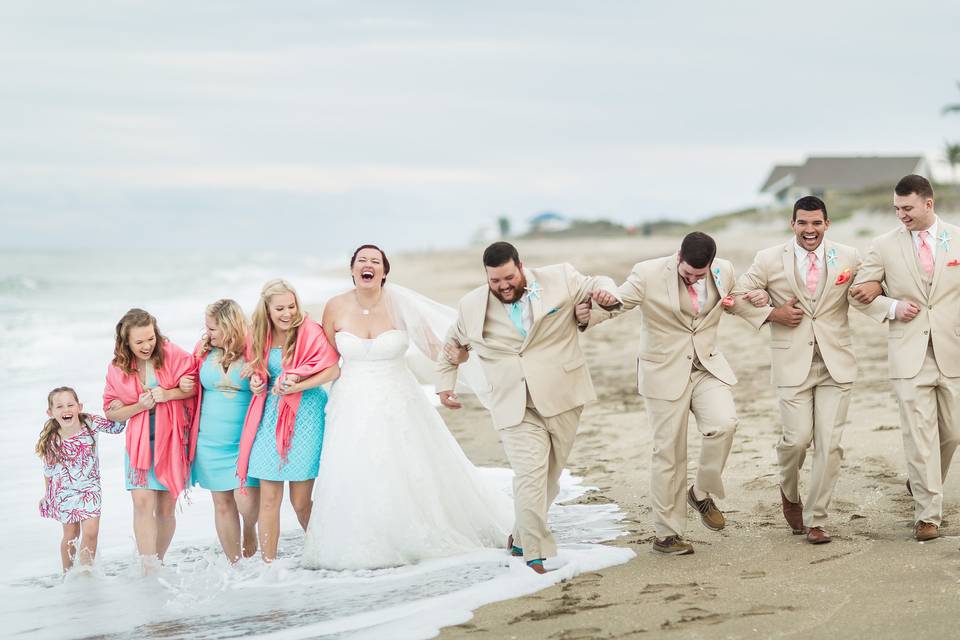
x=394, y=486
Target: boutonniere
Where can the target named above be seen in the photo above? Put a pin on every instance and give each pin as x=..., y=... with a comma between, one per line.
x=727, y=302
x=533, y=291
x=844, y=277
x=944, y=239
x=954, y=263
x=832, y=257
x=716, y=278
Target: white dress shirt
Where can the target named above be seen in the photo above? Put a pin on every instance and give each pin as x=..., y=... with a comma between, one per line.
x=803, y=260
x=932, y=241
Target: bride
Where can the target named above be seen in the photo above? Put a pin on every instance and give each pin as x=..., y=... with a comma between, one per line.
x=394, y=486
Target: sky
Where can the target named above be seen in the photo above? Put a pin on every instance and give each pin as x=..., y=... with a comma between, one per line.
x=320, y=125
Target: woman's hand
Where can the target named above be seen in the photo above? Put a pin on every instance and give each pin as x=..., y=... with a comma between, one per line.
x=257, y=384
x=160, y=394
x=147, y=401
x=287, y=384
x=187, y=384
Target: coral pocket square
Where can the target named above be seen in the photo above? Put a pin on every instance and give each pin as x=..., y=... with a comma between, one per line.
x=954, y=263
x=844, y=277
x=727, y=301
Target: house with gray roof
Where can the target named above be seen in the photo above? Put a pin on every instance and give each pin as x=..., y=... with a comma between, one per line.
x=820, y=175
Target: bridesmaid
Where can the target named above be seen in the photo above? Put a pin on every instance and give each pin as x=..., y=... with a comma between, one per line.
x=223, y=398
x=150, y=386
x=283, y=431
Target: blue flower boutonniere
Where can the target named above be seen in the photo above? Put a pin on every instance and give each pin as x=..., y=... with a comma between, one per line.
x=832, y=257
x=944, y=239
x=533, y=291
x=716, y=278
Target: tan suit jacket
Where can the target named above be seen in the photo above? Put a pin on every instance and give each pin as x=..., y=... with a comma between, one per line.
x=892, y=260
x=671, y=338
x=548, y=362
x=825, y=319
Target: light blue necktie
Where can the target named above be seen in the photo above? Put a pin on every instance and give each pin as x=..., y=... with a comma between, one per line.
x=516, y=316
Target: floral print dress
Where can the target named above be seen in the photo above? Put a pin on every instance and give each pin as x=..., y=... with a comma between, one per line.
x=73, y=492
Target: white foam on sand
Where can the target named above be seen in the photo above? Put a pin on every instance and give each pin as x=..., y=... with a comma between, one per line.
x=198, y=595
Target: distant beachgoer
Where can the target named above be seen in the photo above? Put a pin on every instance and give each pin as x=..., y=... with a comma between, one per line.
x=222, y=402
x=71, y=473
x=150, y=385
x=283, y=431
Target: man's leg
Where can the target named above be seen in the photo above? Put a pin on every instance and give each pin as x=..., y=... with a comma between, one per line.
x=527, y=446
x=712, y=406
x=796, y=420
x=563, y=432
x=831, y=401
x=668, y=465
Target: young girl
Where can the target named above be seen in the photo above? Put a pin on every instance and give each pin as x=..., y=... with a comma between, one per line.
x=222, y=402
x=71, y=473
x=149, y=384
x=283, y=431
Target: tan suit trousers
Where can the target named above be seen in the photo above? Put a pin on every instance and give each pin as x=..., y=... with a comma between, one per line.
x=929, y=410
x=711, y=402
x=812, y=412
x=537, y=449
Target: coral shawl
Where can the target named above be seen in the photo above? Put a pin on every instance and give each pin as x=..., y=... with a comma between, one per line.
x=200, y=353
x=312, y=353
x=172, y=419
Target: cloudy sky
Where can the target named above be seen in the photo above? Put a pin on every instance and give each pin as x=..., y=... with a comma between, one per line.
x=322, y=124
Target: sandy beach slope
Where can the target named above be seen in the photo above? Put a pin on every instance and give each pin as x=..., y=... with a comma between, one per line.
x=754, y=579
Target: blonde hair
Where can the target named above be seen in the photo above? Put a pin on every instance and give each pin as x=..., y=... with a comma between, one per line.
x=263, y=326
x=233, y=329
x=123, y=357
x=48, y=446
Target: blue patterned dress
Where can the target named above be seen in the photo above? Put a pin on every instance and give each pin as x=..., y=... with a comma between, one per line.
x=303, y=461
x=226, y=396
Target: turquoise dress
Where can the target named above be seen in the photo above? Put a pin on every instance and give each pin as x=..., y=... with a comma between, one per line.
x=226, y=397
x=303, y=461
x=152, y=482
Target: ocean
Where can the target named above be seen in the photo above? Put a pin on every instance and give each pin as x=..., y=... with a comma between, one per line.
x=58, y=310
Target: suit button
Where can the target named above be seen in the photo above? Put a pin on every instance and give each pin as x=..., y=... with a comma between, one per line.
x=810, y=343
x=925, y=332
x=930, y=308
x=689, y=357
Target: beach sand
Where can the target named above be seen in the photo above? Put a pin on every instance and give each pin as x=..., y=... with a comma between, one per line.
x=754, y=579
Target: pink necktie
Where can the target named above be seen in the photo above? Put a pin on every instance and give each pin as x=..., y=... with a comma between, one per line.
x=694, y=299
x=926, y=254
x=813, y=273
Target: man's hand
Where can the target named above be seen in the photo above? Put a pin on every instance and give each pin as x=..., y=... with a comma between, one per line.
x=787, y=314
x=187, y=383
x=455, y=354
x=159, y=394
x=146, y=400
x=449, y=400
x=865, y=292
x=604, y=298
x=757, y=297
x=907, y=311
x=582, y=312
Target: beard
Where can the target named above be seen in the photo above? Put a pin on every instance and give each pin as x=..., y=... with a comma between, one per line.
x=517, y=291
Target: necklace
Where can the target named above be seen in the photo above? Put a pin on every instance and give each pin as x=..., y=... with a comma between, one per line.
x=365, y=310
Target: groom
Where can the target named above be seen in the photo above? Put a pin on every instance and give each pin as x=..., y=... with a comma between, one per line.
x=522, y=327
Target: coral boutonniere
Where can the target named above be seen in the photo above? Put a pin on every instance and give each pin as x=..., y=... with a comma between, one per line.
x=954, y=263
x=944, y=239
x=832, y=257
x=844, y=277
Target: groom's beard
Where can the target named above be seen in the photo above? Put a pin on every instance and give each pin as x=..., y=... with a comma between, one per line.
x=514, y=294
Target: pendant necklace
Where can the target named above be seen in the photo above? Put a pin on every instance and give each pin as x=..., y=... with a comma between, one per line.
x=363, y=310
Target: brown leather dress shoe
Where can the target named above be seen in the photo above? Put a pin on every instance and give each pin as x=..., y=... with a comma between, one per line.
x=672, y=546
x=793, y=513
x=711, y=517
x=924, y=531
x=816, y=535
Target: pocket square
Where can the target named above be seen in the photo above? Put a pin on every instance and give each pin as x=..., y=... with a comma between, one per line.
x=553, y=311
x=954, y=263
x=844, y=277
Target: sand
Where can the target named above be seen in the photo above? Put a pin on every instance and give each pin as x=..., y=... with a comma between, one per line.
x=754, y=579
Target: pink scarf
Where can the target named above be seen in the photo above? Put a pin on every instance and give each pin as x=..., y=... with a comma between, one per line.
x=201, y=357
x=172, y=419
x=311, y=355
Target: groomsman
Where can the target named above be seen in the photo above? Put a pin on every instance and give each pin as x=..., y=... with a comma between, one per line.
x=918, y=265
x=521, y=327
x=813, y=363
x=681, y=370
